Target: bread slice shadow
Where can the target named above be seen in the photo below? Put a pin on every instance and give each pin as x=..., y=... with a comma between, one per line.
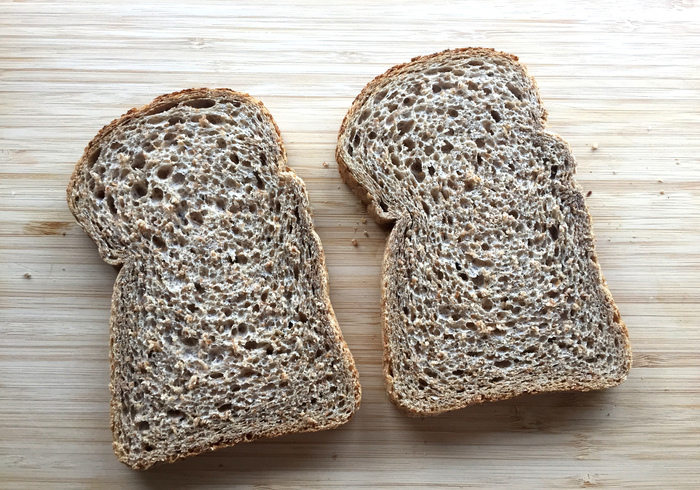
x=504, y=422
x=261, y=460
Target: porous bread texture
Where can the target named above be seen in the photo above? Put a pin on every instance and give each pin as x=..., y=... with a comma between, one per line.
x=222, y=330
x=491, y=286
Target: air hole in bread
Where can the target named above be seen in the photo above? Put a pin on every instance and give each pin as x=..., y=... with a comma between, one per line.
x=175, y=414
x=100, y=193
x=161, y=108
x=496, y=116
x=143, y=426
x=155, y=120
x=156, y=194
x=426, y=208
x=139, y=189
x=164, y=171
x=215, y=119
x=447, y=147
x=94, y=156
x=554, y=232
x=258, y=181
x=405, y=126
x=478, y=262
x=515, y=91
x=417, y=170
x=158, y=242
x=110, y=204
x=190, y=341
x=138, y=162
x=177, y=178
x=199, y=103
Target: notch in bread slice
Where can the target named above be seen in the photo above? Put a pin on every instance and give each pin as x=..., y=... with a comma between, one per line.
x=222, y=330
x=491, y=285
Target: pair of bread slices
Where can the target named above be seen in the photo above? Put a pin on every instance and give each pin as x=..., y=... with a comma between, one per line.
x=222, y=329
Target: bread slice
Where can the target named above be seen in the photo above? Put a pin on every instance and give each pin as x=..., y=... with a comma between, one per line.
x=222, y=330
x=491, y=286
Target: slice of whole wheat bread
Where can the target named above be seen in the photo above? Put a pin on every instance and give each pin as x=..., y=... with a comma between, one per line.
x=222, y=330
x=491, y=286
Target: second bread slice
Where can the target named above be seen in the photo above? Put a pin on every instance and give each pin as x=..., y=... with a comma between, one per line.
x=491, y=285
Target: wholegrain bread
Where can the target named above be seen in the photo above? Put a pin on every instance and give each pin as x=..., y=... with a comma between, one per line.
x=222, y=330
x=491, y=285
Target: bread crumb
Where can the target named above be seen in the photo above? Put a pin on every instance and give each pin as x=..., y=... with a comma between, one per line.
x=364, y=221
x=355, y=229
x=588, y=194
x=27, y=275
x=354, y=243
x=13, y=193
x=661, y=192
x=364, y=232
x=594, y=146
x=325, y=164
x=614, y=173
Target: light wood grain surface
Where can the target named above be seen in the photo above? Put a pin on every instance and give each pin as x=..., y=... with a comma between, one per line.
x=622, y=75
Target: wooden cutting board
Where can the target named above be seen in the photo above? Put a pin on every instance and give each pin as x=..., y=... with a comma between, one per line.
x=619, y=76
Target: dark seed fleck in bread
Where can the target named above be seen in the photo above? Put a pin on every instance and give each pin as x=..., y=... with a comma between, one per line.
x=222, y=329
x=491, y=286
